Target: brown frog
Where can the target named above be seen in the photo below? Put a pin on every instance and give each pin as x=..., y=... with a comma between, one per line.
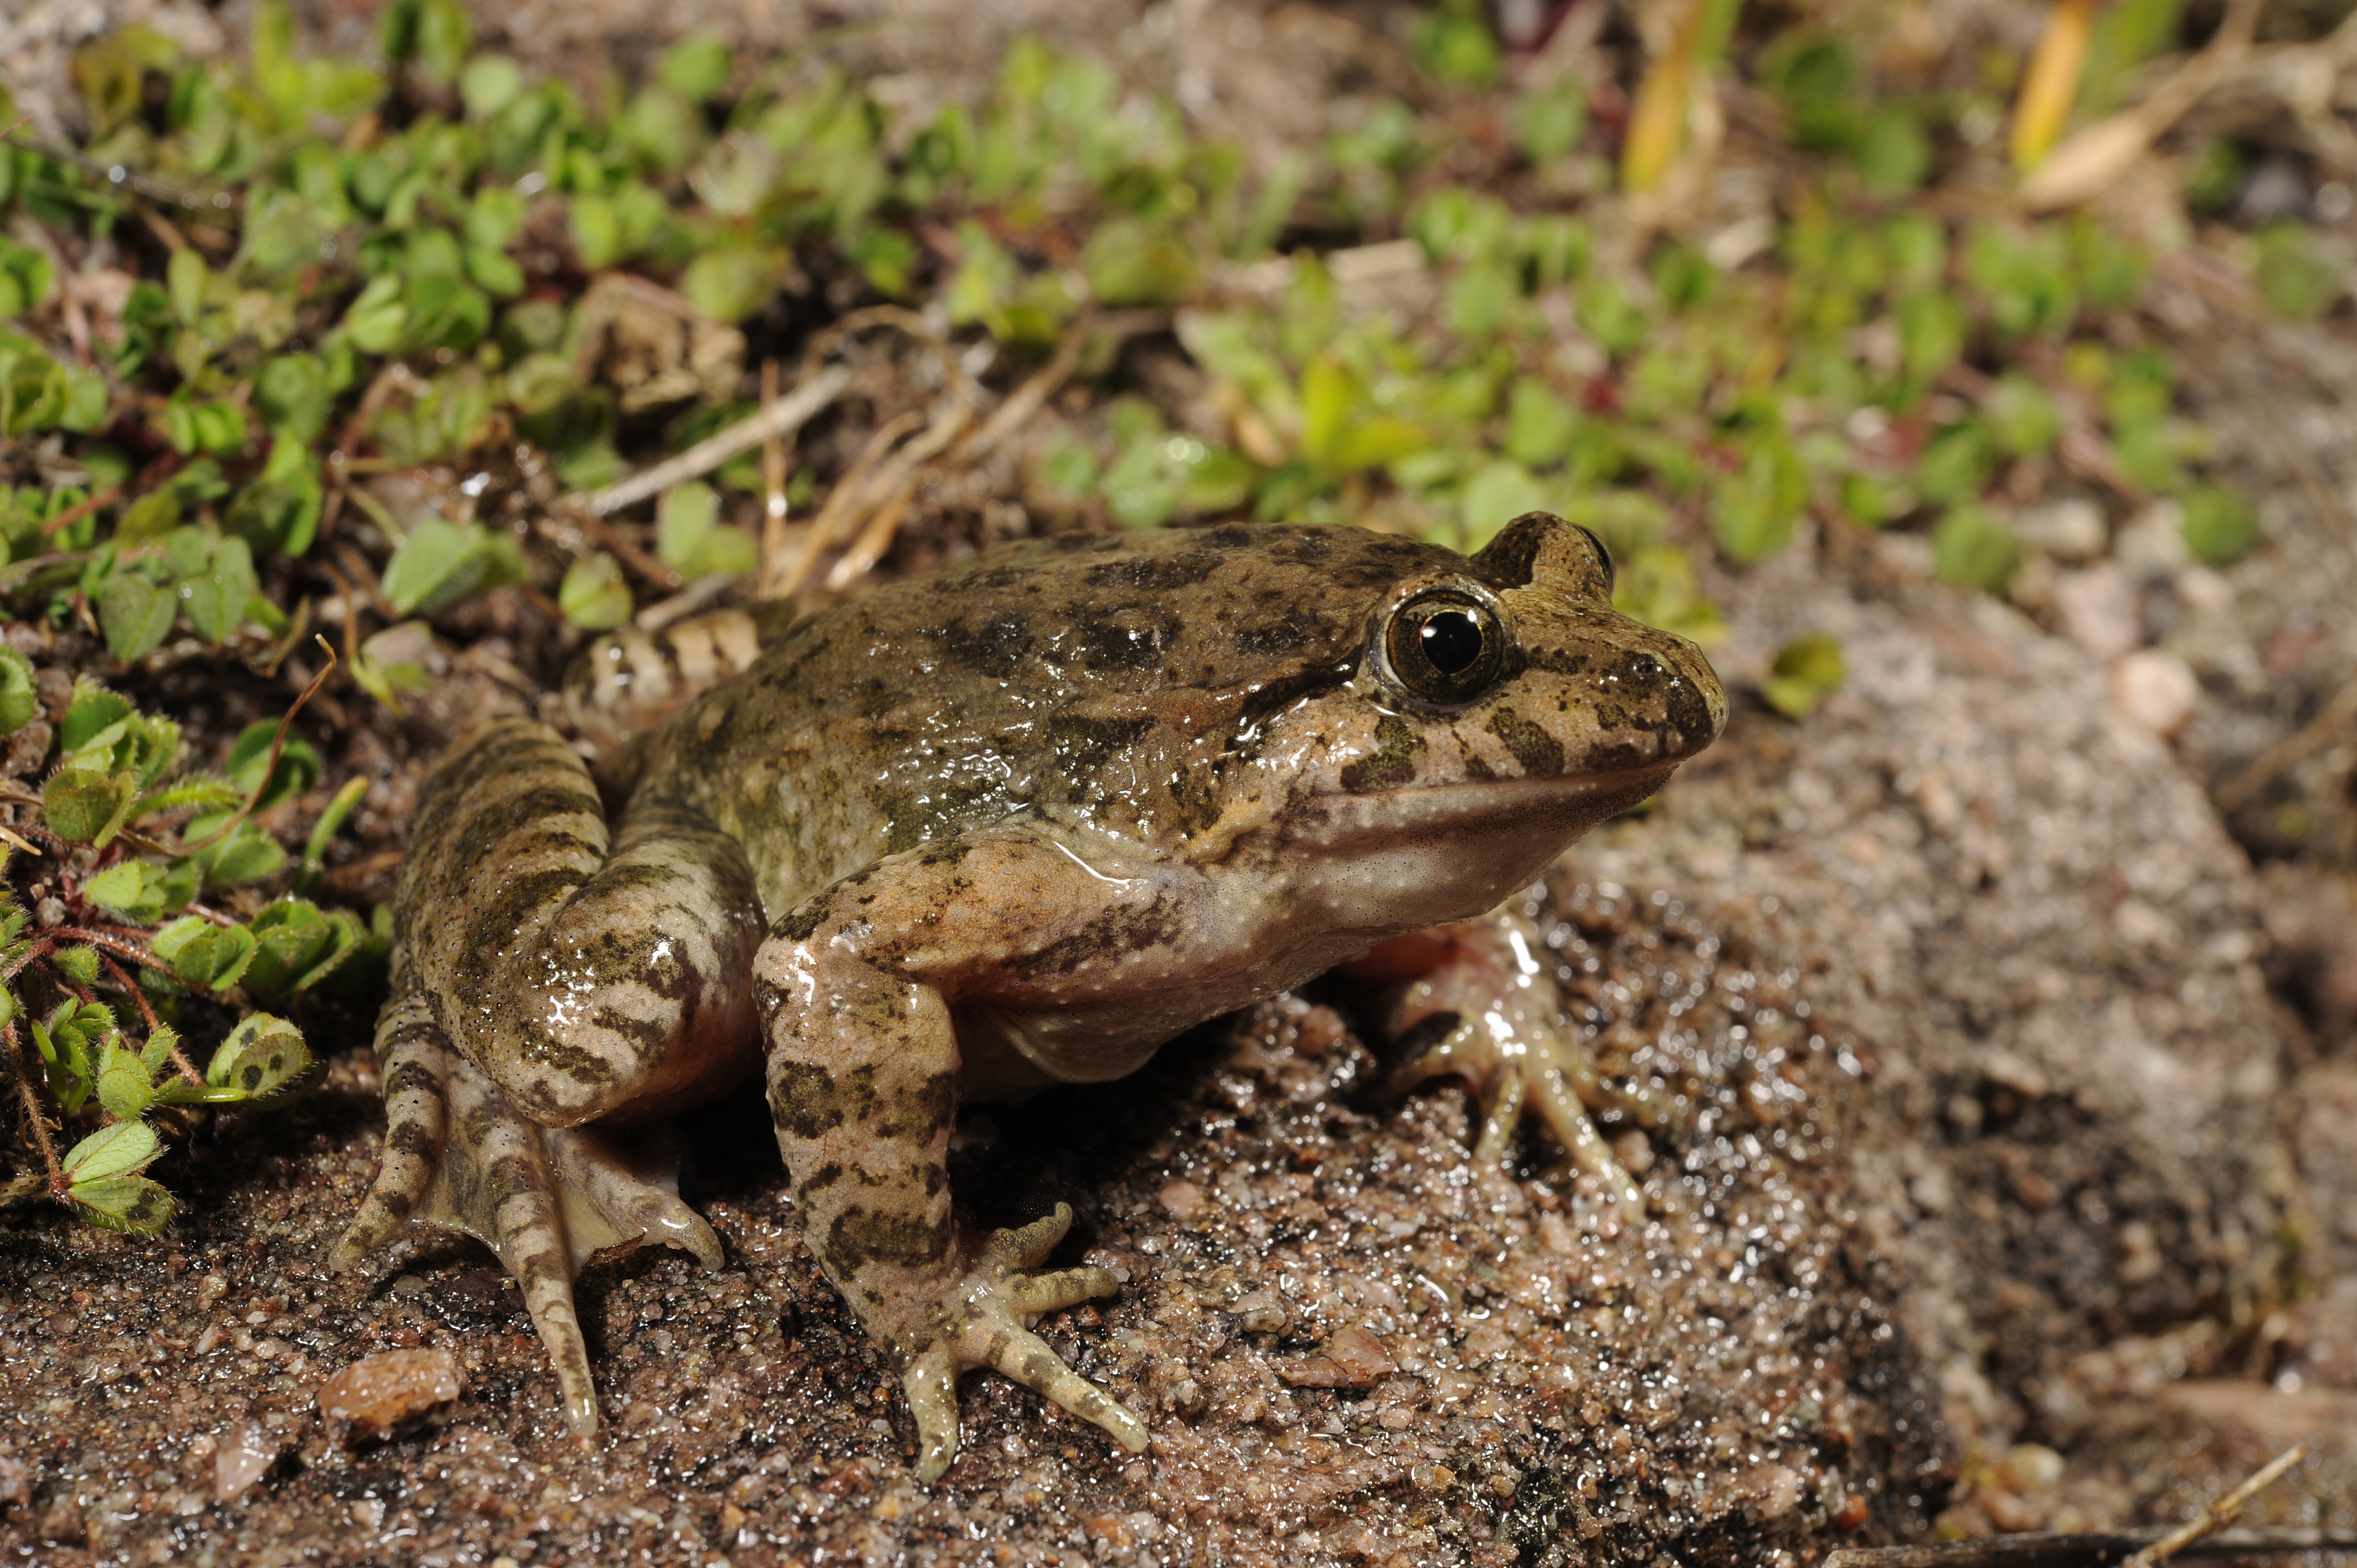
x=973, y=835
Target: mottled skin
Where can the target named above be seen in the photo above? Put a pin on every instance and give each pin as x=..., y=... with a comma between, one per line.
x=968, y=836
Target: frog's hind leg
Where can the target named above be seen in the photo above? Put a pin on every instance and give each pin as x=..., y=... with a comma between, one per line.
x=543, y=1200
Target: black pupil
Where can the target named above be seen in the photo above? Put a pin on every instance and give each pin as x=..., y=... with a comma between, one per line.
x=1451, y=641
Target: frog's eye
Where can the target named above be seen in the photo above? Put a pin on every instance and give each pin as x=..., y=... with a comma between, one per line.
x=1603, y=558
x=1445, y=646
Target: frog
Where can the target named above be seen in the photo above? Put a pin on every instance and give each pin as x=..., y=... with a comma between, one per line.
x=959, y=839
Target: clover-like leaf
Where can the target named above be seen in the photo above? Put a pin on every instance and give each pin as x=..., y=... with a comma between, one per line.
x=263, y=1058
x=593, y=596
x=19, y=699
x=206, y=955
x=132, y=889
x=82, y=806
x=124, y=1149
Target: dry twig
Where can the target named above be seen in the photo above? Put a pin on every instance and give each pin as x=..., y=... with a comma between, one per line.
x=2220, y=1514
x=786, y=414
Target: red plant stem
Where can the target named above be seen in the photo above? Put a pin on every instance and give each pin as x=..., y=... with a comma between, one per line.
x=34, y=1119
x=39, y=949
x=114, y=945
x=270, y=764
x=122, y=978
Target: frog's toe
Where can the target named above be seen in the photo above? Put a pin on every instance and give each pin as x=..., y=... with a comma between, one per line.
x=459, y=1154
x=416, y=1062
x=1525, y=1068
x=984, y=1327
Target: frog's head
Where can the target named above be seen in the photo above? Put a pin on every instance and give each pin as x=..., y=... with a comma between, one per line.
x=1500, y=708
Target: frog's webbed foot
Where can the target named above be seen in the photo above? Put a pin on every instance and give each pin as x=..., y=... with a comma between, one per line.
x=1499, y=1023
x=460, y=1156
x=983, y=1323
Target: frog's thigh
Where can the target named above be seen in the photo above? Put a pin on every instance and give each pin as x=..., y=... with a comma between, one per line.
x=863, y=1083
x=585, y=983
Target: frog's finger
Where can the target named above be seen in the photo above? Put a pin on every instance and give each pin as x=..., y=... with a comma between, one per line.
x=1055, y=1291
x=931, y=1383
x=1507, y=1093
x=1567, y=1117
x=1028, y=1359
x=415, y=1124
x=631, y=1188
x=1028, y=1246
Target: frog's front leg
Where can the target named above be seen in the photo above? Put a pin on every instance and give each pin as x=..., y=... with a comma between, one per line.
x=1483, y=1008
x=857, y=991
x=542, y=984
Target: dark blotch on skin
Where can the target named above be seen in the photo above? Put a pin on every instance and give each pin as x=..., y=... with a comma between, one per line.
x=803, y=1100
x=1156, y=573
x=1539, y=752
x=1393, y=762
x=997, y=648
x=858, y=1238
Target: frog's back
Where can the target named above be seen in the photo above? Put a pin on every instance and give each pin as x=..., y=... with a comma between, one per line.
x=1096, y=677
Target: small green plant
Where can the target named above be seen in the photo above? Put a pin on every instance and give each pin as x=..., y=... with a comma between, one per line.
x=137, y=863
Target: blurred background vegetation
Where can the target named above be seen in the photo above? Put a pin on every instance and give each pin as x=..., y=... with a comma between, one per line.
x=317, y=372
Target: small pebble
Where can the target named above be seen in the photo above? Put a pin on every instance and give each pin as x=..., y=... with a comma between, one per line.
x=380, y=1392
x=1184, y=1200
x=1352, y=1359
x=246, y=1451
x=2099, y=611
x=2157, y=689
x=2069, y=529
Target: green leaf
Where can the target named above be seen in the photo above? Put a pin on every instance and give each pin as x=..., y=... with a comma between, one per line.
x=216, y=599
x=248, y=854
x=2022, y=416
x=1974, y=550
x=293, y=397
x=697, y=67
x=315, y=848
x=263, y=1057
x=1657, y=585
x=441, y=563
x=1548, y=124
x=731, y=283
x=1540, y=424
x=291, y=938
x=19, y=699
x=1498, y=493
x=594, y=596
x=433, y=34
x=378, y=317
x=2293, y=275
x=1806, y=670
x=203, y=954
x=124, y=1149
x=132, y=889
x=1129, y=260
x=83, y=807
x=2221, y=526
x=125, y=1088
x=488, y=84
x=134, y=614
x=131, y=1204
x=78, y=965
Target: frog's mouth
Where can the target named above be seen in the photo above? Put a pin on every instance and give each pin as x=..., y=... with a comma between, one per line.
x=1397, y=859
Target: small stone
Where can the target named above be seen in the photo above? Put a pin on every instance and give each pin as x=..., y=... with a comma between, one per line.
x=1262, y=1312
x=2069, y=529
x=2033, y=1467
x=1352, y=1359
x=2157, y=689
x=247, y=1450
x=379, y=1393
x=2098, y=611
x=1183, y=1199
